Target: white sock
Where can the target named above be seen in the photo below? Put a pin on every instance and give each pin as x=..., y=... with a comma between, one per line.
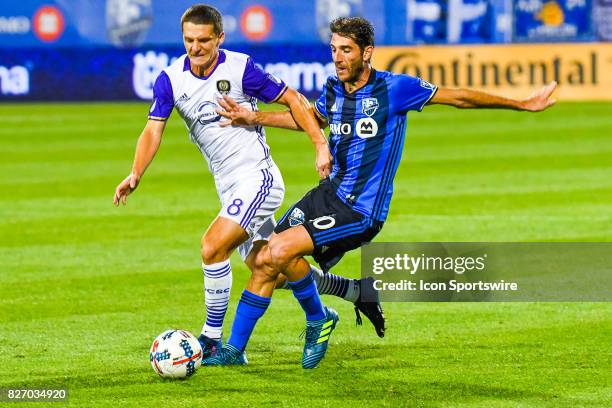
x=217, y=288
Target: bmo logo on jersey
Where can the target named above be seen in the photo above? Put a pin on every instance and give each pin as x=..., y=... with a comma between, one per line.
x=340, y=129
x=366, y=128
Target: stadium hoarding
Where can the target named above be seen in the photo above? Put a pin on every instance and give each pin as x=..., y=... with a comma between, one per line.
x=552, y=20
x=583, y=71
x=100, y=74
x=156, y=23
x=602, y=14
x=481, y=271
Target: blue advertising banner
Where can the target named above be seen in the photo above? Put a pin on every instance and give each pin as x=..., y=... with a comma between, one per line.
x=449, y=21
x=118, y=74
x=132, y=23
x=552, y=20
x=602, y=11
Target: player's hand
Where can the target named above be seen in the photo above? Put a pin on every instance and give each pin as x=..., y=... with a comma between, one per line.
x=540, y=99
x=124, y=188
x=324, y=160
x=236, y=114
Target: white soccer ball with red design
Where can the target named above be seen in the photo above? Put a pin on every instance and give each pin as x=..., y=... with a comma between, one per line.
x=175, y=354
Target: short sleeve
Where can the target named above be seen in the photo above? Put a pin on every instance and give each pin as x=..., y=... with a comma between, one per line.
x=411, y=93
x=321, y=104
x=163, y=98
x=261, y=85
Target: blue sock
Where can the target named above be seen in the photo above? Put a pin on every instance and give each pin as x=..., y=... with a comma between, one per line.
x=250, y=308
x=305, y=291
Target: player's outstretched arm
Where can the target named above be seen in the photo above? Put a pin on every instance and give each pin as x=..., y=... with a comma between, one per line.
x=147, y=146
x=469, y=98
x=300, y=115
x=238, y=115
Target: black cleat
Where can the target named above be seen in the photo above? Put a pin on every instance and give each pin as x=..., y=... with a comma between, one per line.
x=369, y=304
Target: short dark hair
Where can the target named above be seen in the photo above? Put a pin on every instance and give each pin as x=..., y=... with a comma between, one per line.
x=203, y=14
x=357, y=29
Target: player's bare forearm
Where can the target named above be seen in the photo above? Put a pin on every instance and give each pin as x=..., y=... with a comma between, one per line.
x=303, y=117
x=277, y=119
x=148, y=144
x=470, y=98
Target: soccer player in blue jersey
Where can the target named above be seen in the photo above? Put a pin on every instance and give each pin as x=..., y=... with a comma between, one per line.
x=249, y=184
x=366, y=113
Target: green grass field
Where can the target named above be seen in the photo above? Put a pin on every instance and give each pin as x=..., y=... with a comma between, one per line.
x=85, y=287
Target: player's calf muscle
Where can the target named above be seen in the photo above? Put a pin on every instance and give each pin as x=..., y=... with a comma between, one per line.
x=263, y=276
x=259, y=262
x=281, y=254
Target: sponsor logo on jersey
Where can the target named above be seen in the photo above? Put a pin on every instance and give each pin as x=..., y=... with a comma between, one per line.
x=366, y=127
x=427, y=85
x=223, y=86
x=183, y=97
x=370, y=106
x=296, y=217
x=334, y=108
x=340, y=129
x=206, y=113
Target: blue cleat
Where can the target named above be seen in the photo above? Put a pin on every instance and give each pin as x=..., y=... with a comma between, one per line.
x=227, y=355
x=210, y=347
x=317, y=338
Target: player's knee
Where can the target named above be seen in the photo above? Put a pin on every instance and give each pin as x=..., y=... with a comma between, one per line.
x=212, y=252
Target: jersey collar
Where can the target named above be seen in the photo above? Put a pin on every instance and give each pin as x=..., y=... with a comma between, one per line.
x=220, y=60
x=371, y=80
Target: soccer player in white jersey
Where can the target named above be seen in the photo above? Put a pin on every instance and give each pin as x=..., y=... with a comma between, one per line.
x=249, y=184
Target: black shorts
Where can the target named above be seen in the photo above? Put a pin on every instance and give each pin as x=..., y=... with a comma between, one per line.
x=333, y=226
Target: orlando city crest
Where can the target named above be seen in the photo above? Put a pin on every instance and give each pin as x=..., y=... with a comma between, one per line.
x=223, y=86
x=370, y=105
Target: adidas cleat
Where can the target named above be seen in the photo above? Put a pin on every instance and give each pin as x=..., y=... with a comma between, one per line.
x=369, y=304
x=317, y=338
x=226, y=356
x=210, y=347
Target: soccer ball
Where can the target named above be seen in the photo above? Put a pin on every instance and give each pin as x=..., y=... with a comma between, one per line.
x=175, y=354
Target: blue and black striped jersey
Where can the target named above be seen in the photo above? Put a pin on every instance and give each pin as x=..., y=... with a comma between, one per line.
x=367, y=131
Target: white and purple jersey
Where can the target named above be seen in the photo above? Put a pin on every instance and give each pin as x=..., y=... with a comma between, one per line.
x=231, y=151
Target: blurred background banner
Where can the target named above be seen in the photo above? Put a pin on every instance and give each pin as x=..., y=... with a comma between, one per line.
x=131, y=23
x=602, y=12
x=553, y=20
x=124, y=74
x=583, y=71
x=56, y=49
